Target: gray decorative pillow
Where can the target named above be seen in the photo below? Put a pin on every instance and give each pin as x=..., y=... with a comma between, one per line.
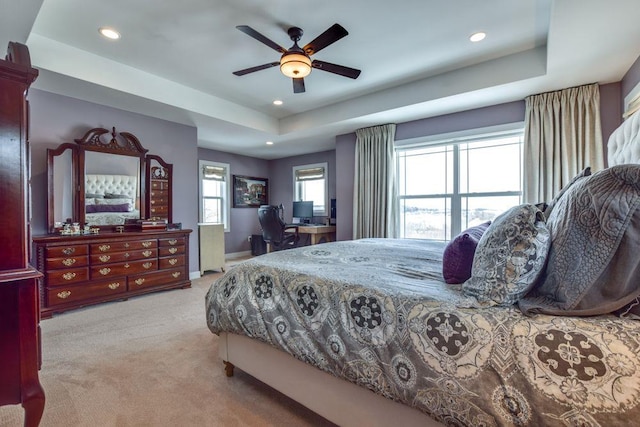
x=593, y=265
x=552, y=204
x=510, y=257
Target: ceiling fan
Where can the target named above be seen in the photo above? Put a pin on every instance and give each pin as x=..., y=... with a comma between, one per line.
x=295, y=62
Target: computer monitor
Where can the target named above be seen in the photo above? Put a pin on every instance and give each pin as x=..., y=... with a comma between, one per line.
x=303, y=211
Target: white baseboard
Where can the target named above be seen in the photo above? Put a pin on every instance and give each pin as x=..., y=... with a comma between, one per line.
x=194, y=275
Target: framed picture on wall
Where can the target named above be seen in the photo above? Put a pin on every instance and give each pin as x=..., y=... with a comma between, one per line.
x=250, y=192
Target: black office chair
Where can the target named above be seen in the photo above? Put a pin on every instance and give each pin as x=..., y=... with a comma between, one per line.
x=274, y=230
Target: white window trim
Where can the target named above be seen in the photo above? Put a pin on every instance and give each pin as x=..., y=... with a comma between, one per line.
x=325, y=165
x=227, y=208
x=456, y=138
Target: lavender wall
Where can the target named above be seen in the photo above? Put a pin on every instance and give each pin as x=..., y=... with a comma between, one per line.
x=281, y=177
x=610, y=111
x=244, y=221
x=345, y=161
x=56, y=119
x=631, y=78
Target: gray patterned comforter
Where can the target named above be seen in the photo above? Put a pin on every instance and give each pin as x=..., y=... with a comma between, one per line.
x=378, y=313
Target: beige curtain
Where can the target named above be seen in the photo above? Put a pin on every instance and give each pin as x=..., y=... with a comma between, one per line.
x=374, y=213
x=562, y=137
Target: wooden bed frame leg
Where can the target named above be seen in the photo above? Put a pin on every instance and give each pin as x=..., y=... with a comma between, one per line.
x=228, y=368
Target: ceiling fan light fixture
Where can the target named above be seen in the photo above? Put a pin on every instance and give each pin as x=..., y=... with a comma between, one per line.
x=295, y=65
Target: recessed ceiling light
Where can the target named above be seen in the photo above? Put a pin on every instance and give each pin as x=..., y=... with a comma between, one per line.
x=476, y=37
x=269, y=142
x=277, y=102
x=109, y=33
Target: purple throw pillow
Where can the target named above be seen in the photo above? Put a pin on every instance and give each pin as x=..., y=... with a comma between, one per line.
x=457, y=258
x=107, y=208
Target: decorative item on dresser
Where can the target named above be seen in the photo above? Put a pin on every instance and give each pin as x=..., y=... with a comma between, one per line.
x=19, y=314
x=91, y=269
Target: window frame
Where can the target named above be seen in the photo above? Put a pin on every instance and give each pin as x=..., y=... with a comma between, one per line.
x=456, y=197
x=226, y=201
x=325, y=165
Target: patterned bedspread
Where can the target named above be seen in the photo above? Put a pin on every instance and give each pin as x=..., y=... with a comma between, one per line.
x=378, y=313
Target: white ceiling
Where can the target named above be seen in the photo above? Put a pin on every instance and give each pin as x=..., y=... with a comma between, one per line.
x=175, y=60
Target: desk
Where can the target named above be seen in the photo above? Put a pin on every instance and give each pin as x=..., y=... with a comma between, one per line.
x=319, y=232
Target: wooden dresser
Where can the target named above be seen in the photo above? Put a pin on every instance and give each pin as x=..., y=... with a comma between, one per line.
x=95, y=268
x=19, y=311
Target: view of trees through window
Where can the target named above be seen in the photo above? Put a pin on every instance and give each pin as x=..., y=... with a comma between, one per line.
x=447, y=187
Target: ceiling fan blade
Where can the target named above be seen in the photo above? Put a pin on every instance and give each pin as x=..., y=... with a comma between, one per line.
x=298, y=85
x=352, y=73
x=256, y=35
x=332, y=35
x=256, y=68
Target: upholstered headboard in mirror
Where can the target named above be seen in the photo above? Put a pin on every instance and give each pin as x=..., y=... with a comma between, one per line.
x=100, y=181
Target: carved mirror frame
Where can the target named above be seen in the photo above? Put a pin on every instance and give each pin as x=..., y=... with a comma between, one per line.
x=123, y=143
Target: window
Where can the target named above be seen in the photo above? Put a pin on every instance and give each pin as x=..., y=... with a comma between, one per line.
x=310, y=184
x=214, y=193
x=448, y=186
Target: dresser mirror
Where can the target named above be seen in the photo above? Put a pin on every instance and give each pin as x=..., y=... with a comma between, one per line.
x=105, y=180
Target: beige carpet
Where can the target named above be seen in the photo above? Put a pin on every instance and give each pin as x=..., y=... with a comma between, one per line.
x=149, y=361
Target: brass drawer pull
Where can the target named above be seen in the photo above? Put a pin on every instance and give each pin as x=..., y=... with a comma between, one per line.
x=173, y=261
x=173, y=241
x=105, y=271
x=68, y=251
x=175, y=274
x=147, y=244
x=104, y=248
x=147, y=253
x=147, y=265
x=126, y=255
x=69, y=261
x=68, y=276
x=127, y=265
x=139, y=281
x=114, y=286
x=104, y=258
x=173, y=250
x=126, y=245
x=64, y=294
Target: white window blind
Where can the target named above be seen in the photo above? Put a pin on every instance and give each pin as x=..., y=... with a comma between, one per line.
x=310, y=183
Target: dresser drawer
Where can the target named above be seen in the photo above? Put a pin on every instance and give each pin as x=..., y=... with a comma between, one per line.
x=169, y=251
x=98, y=288
x=105, y=248
x=159, y=210
x=159, y=201
x=157, y=278
x=171, y=262
x=66, y=251
x=123, y=268
x=173, y=241
x=159, y=185
x=66, y=276
x=67, y=262
x=111, y=257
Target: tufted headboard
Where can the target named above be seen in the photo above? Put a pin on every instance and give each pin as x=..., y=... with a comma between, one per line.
x=624, y=143
x=115, y=184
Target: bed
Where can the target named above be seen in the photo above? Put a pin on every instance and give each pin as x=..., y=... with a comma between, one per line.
x=369, y=332
x=110, y=199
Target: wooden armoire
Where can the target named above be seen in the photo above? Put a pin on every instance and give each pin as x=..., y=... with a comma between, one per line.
x=19, y=297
